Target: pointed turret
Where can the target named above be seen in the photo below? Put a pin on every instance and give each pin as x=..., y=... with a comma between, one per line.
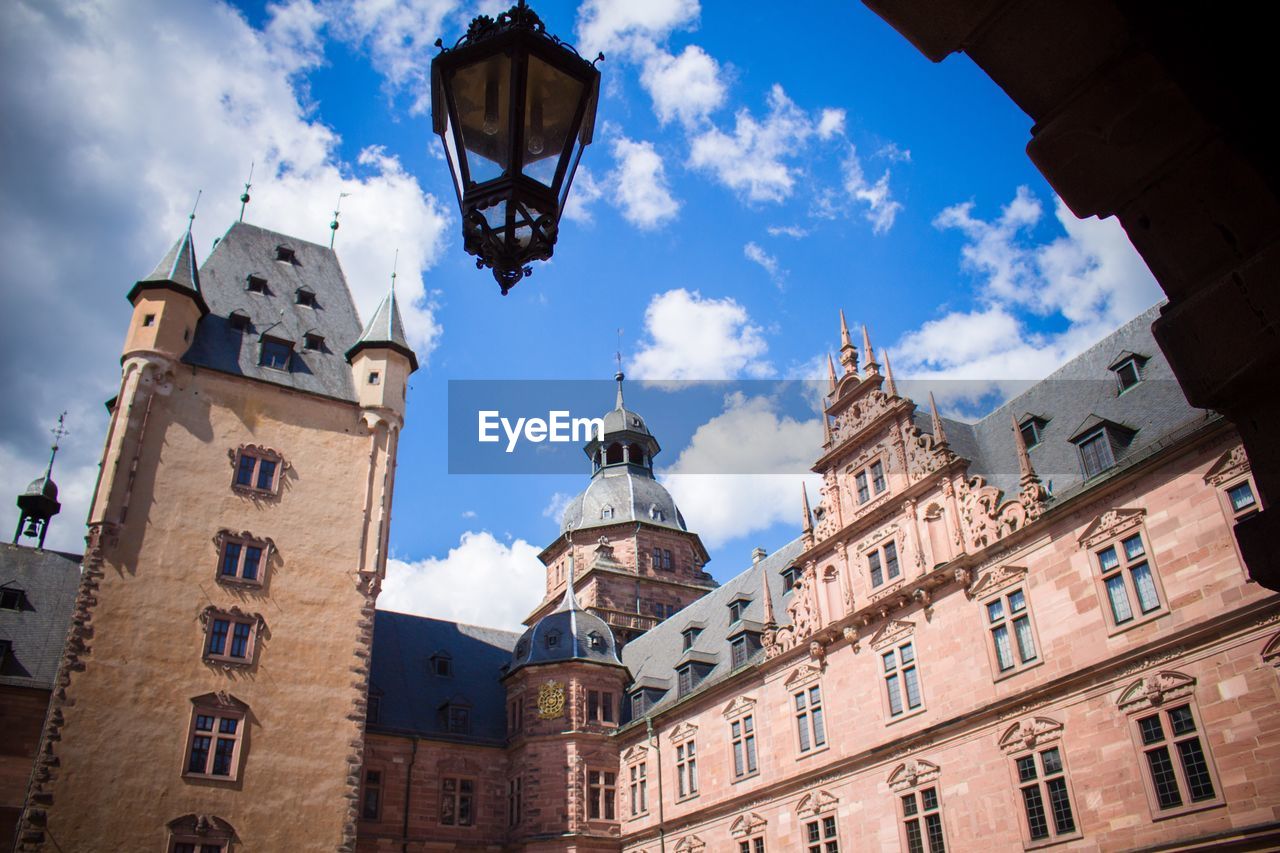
x=831, y=376
x=1027, y=474
x=386, y=331
x=889, y=387
x=167, y=305
x=767, y=597
x=381, y=358
x=39, y=503
x=848, y=355
x=177, y=271
x=939, y=435
x=806, y=522
x=618, y=377
x=868, y=355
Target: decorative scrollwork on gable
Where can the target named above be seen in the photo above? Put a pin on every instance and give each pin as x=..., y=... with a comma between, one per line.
x=684, y=731
x=996, y=579
x=635, y=753
x=691, y=844
x=923, y=455
x=738, y=707
x=856, y=417
x=1154, y=690
x=1029, y=734
x=1112, y=523
x=912, y=772
x=1230, y=465
x=815, y=803
x=891, y=632
x=747, y=824
x=987, y=518
x=803, y=675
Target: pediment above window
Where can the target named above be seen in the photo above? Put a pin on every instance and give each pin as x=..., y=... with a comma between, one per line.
x=804, y=674
x=1155, y=689
x=1234, y=463
x=747, y=824
x=912, y=772
x=891, y=632
x=815, y=803
x=1029, y=734
x=738, y=707
x=996, y=579
x=1112, y=523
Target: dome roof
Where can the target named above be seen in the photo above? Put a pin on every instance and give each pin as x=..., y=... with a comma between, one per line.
x=44, y=487
x=568, y=633
x=622, y=493
x=624, y=420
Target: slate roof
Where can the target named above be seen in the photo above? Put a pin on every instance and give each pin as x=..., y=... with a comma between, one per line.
x=49, y=581
x=653, y=657
x=386, y=329
x=566, y=633
x=250, y=250
x=632, y=492
x=410, y=694
x=177, y=269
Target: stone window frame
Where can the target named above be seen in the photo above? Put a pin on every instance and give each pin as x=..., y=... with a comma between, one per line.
x=638, y=787
x=224, y=538
x=881, y=563
x=198, y=830
x=684, y=741
x=601, y=794
x=808, y=723
x=911, y=781
x=601, y=708
x=820, y=833
x=865, y=471
x=1158, y=695
x=748, y=831
x=258, y=453
x=515, y=800
x=740, y=716
x=1112, y=530
x=1231, y=470
x=1032, y=738
x=371, y=782
x=233, y=616
x=891, y=640
x=220, y=706
x=1000, y=584
x=752, y=844
x=454, y=799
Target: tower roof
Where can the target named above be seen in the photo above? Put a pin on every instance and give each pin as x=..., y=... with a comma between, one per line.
x=178, y=271
x=386, y=330
x=567, y=633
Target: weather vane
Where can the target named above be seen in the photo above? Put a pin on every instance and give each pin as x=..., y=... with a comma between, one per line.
x=333, y=226
x=244, y=196
x=192, y=217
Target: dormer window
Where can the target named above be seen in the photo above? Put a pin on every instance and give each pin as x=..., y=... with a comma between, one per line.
x=442, y=665
x=286, y=255
x=790, y=579
x=312, y=341
x=595, y=641
x=655, y=513
x=690, y=636
x=239, y=321
x=256, y=284
x=737, y=608
x=553, y=639
x=1128, y=371
x=305, y=297
x=1030, y=428
x=606, y=512
x=275, y=353
x=456, y=719
x=1095, y=452
x=11, y=598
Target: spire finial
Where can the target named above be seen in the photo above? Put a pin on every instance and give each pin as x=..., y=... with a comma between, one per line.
x=868, y=354
x=570, y=600
x=769, y=619
x=395, y=265
x=831, y=375
x=848, y=355
x=191, y=218
x=59, y=433
x=244, y=196
x=807, y=520
x=890, y=388
x=1027, y=474
x=333, y=226
x=619, y=375
x=939, y=436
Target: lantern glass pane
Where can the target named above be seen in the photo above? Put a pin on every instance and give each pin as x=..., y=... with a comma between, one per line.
x=482, y=97
x=451, y=153
x=551, y=105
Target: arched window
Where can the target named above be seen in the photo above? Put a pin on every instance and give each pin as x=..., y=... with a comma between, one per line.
x=636, y=454
x=613, y=454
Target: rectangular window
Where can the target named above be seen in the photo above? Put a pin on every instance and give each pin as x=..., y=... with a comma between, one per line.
x=740, y=651
x=736, y=609
x=1127, y=578
x=822, y=836
x=751, y=845
x=1030, y=433
x=1095, y=453
x=877, y=477
x=371, y=799
x=459, y=720
x=256, y=473
x=686, y=769
x=639, y=789
x=883, y=564
x=743, y=739
x=1045, y=800
x=901, y=681
x=457, y=802
x=922, y=822
x=599, y=706
x=1128, y=374
x=810, y=726
x=1241, y=500
x=666, y=559
x=690, y=636
x=197, y=847
x=275, y=354
x=229, y=639
x=684, y=679
x=601, y=792
x=214, y=743
x=864, y=493
x=1012, y=640
x=515, y=802
x=1177, y=762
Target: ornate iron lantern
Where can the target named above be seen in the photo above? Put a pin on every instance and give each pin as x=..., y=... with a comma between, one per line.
x=515, y=107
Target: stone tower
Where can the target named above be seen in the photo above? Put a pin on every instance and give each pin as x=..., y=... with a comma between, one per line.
x=638, y=562
x=215, y=675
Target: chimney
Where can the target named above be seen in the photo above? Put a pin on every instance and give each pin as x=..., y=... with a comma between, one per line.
x=758, y=554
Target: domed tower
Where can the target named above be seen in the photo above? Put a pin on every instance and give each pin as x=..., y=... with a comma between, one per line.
x=39, y=502
x=564, y=690
x=639, y=563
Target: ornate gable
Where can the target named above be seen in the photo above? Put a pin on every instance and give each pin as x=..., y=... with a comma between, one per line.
x=738, y=707
x=691, y=844
x=995, y=580
x=635, y=753
x=1110, y=524
x=1154, y=690
x=912, y=772
x=987, y=518
x=747, y=824
x=1029, y=734
x=815, y=803
x=892, y=631
x=804, y=674
x=1230, y=465
x=684, y=731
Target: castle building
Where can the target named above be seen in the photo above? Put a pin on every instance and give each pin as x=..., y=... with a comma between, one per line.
x=212, y=691
x=1030, y=630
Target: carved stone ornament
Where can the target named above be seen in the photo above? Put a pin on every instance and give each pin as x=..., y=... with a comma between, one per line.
x=1029, y=734
x=803, y=675
x=738, y=707
x=1234, y=463
x=204, y=827
x=1271, y=651
x=747, y=824
x=1112, y=523
x=1156, y=689
x=691, y=844
x=924, y=456
x=684, y=731
x=854, y=419
x=996, y=579
x=233, y=455
x=818, y=652
x=635, y=753
x=803, y=608
x=815, y=803
x=551, y=699
x=986, y=518
x=891, y=632
x=912, y=772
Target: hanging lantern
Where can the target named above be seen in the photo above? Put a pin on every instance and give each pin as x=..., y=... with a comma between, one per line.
x=515, y=107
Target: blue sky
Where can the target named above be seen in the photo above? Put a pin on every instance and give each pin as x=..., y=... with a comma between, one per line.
x=753, y=171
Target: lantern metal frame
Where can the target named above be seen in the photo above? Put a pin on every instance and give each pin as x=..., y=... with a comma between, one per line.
x=533, y=209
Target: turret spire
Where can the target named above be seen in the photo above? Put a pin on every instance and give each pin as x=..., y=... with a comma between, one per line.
x=868, y=354
x=39, y=503
x=939, y=435
x=767, y=597
x=386, y=329
x=176, y=271
x=806, y=522
x=1027, y=474
x=890, y=388
x=831, y=375
x=848, y=355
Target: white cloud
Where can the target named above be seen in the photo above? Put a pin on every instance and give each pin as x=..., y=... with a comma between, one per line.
x=692, y=337
x=183, y=97
x=831, y=123
x=1091, y=277
x=752, y=160
x=639, y=184
x=469, y=513
x=629, y=28
x=726, y=506
x=480, y=582
x=891, y=152
x=556, y=506
x=766, y=261
x=788, y=231
x=585, y=192
x=687, y=87
x=882, y=210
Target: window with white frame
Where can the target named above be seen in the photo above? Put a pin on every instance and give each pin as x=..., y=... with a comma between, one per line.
x=1128, y=580
x=742, y=732
x=1045, y=795
x=922, y=821
x=811, y=728
x=822, y=835
x=882, y=564
x=901, y=679
x=1013, y=641
x=639, y=788
x=687, y=769
x=1241, y=499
